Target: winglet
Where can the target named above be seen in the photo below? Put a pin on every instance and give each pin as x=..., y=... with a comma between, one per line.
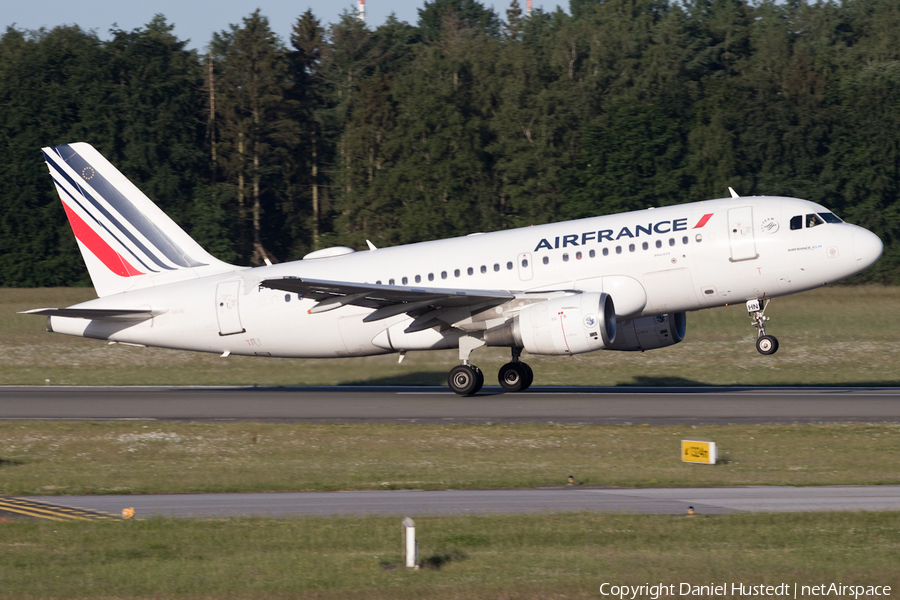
x=734, y=194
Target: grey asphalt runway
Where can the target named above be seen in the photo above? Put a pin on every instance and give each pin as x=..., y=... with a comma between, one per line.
x=481, y=502
x=435, y=404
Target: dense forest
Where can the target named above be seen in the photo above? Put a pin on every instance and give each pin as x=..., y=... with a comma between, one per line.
x=469, y=120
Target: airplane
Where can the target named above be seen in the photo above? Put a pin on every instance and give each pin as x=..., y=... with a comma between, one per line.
x=617, y=282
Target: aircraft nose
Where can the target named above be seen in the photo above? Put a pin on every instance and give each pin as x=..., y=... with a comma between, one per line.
x=868, y=248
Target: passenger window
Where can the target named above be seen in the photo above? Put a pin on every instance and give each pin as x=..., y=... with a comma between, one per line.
x=496, y=267
x=483, y=269
x=546, y=260
x=645, y=245
x=404, y=281
x=618, y=249
x=431, y=277
x=592, y=253
x=470, y=271
x=443, y=274
x=509, y=266
x=797, y=222
x=287, y=297
x=812, y=220
x=684, y=240
x=578, y=256
x=456, y=272
x=418, y=278
x=659, y=243
x=606, y=252
x=565, y=258
x=631, y=247
x=390, y=282
x=524, y=262
x=671, y=241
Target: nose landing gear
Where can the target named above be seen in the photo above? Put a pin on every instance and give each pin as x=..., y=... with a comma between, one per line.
x=765, y=344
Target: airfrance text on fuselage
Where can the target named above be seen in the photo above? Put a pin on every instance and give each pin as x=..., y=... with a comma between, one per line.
x=583, y=239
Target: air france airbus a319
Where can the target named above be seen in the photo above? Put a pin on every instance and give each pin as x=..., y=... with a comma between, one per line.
x=617, y=282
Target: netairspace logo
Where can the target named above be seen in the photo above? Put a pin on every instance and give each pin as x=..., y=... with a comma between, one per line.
x=783, y=590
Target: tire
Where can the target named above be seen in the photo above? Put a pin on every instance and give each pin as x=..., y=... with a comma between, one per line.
x=513, y=377
x=479, y=381
x=464, y=380
x=767, y=344
x=529, y=376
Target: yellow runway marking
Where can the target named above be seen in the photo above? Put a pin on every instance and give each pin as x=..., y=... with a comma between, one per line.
x=53, y=512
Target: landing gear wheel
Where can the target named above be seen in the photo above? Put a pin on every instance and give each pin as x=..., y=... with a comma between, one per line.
x=479, y=382
x=767, y=344
x=513, y=376
x=529, y=378
x=465, y=380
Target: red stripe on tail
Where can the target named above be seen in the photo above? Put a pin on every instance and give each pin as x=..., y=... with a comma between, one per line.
x=703, y=221
x=99, y=248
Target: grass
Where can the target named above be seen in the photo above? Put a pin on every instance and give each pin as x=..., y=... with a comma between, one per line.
x=113, y=457
x=830, y=336
x=510, y=557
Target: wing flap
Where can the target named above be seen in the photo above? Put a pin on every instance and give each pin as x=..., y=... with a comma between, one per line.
x=393, y=299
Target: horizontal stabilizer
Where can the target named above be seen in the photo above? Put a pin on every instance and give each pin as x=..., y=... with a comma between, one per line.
x=117, y=314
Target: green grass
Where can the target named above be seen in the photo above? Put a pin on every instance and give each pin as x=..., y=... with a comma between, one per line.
x=156, y=457
x=539, y=556
x=831, y=336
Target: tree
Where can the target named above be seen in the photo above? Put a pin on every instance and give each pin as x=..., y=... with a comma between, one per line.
x=256, y=130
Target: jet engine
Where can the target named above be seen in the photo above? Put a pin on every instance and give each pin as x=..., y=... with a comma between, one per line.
x=567, y=325
x=648, y=333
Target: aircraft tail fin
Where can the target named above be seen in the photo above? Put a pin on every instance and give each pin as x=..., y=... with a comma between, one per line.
x=126, y=241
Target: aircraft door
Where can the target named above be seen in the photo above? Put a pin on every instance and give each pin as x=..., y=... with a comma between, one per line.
x=526, y=271
x=740, y=234
x=227, y=295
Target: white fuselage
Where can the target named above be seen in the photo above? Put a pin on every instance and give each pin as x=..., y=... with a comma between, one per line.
x=678, y=257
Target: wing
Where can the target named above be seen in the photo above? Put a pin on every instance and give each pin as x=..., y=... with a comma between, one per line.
x=118, y=314
x=387, y=300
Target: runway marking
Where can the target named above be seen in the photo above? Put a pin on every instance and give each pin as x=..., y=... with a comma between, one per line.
x=51, y=512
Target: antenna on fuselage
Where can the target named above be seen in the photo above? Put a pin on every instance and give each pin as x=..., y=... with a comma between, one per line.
x=734, y=194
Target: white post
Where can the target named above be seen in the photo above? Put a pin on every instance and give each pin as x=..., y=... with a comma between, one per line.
x=361, y=15
x=412, y=548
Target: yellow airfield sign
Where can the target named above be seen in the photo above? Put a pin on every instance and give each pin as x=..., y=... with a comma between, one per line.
x=694, y=451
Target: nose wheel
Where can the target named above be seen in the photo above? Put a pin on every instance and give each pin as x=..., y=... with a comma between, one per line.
x=765, y=344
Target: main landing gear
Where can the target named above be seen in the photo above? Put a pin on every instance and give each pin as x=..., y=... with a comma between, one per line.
x=765, y=344
x=515, y=376
x=467, y=379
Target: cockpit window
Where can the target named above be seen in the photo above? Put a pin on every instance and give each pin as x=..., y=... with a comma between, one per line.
x=830, y=217
x=813, y=219
x=797, y=222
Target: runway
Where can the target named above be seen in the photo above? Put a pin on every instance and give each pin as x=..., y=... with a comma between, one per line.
x=673, y=501
x=694, y=405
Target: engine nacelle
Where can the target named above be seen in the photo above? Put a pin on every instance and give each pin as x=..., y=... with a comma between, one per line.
x=648, y=333
x=567, y=325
